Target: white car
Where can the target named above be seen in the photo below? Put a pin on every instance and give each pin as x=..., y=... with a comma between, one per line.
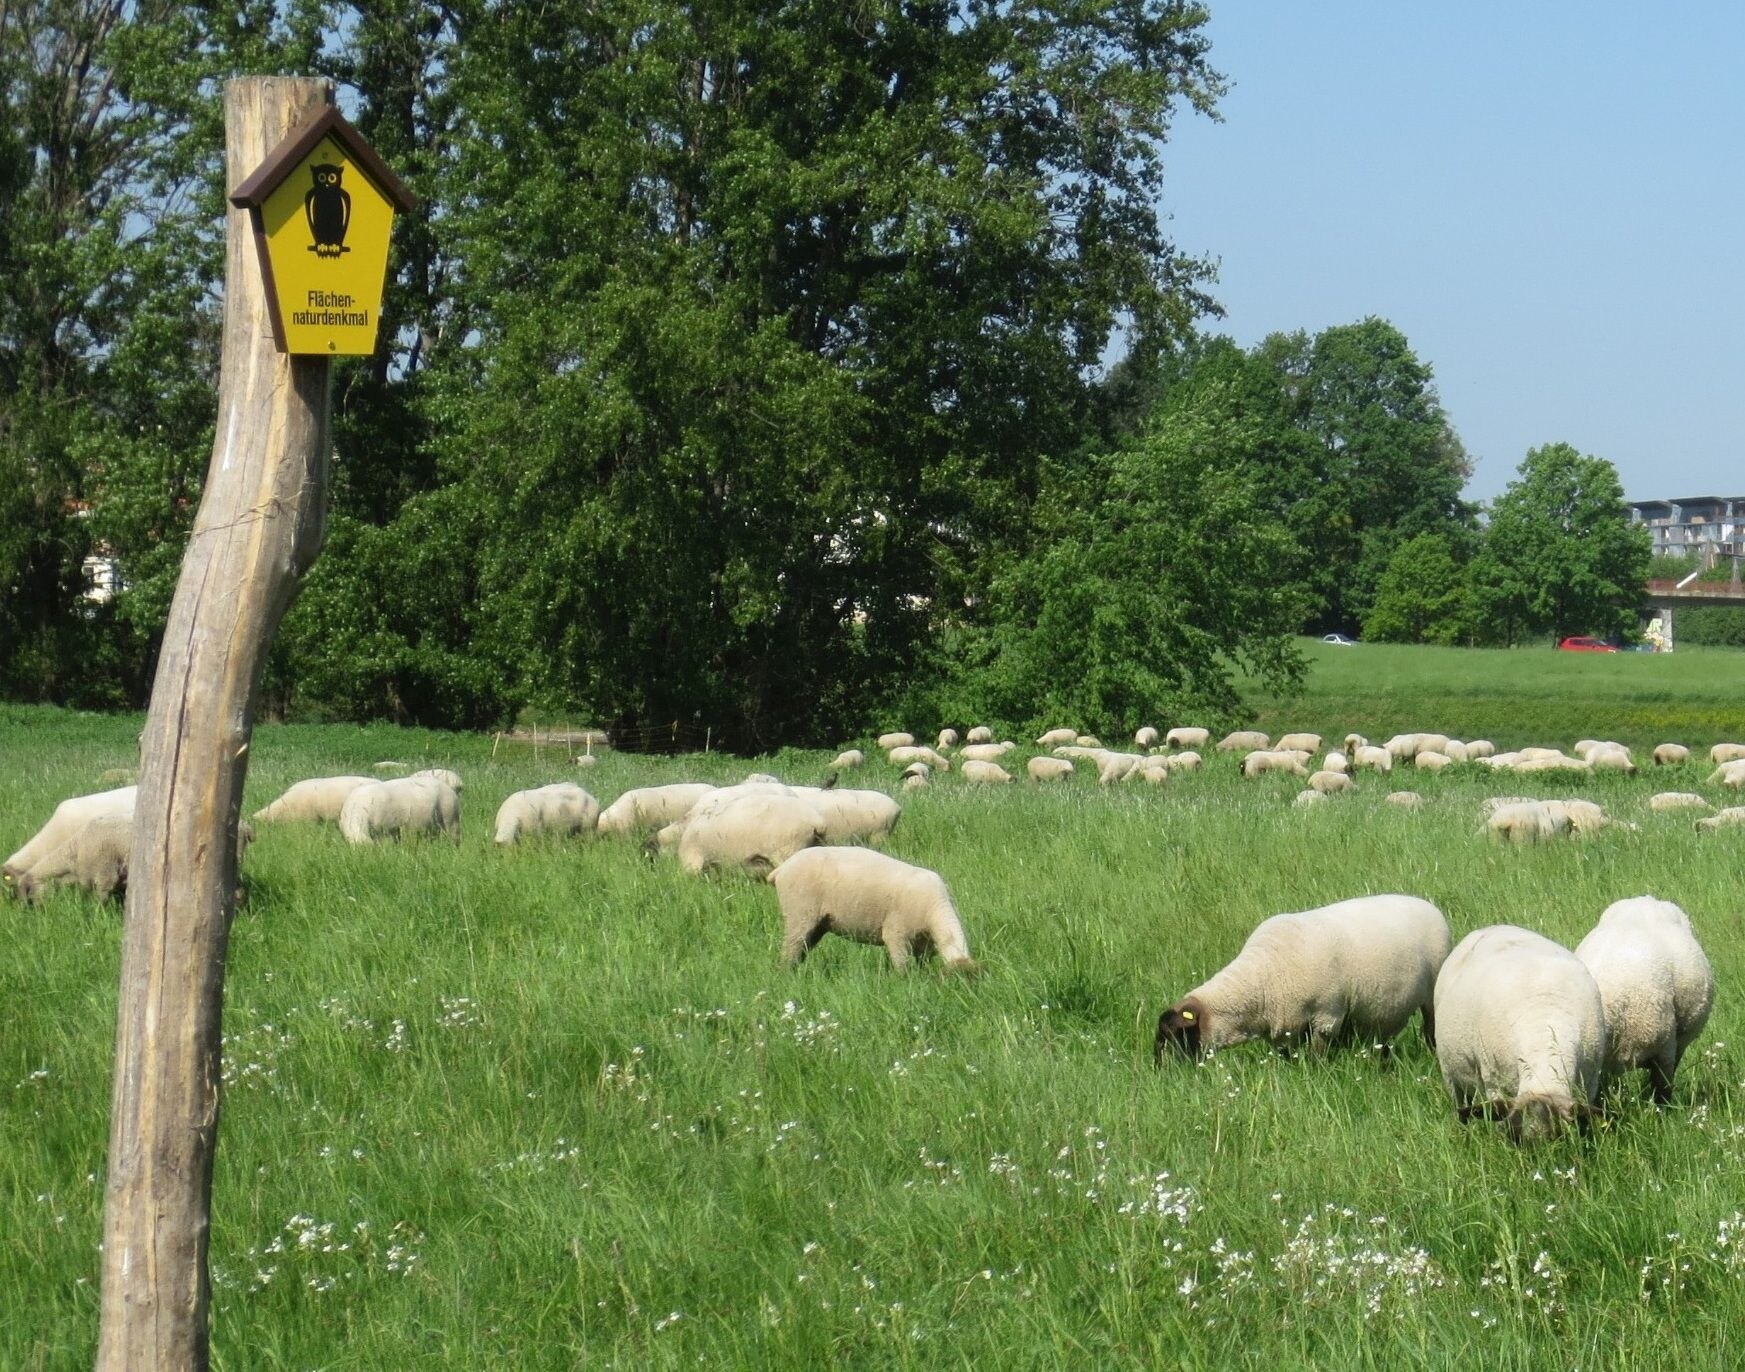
x=1339, y=640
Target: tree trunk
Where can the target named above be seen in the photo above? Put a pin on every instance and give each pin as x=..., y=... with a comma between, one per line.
x=257, y=531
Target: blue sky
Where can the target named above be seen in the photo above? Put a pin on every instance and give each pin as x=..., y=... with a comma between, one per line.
x=1548, y=198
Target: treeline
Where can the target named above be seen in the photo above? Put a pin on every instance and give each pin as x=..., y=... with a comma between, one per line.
x=741, y=365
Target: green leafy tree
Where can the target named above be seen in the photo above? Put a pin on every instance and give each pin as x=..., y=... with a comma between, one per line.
x=1560, y=555
x=1423, y=597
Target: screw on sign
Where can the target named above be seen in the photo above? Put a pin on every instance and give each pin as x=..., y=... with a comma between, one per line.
x=322, y=207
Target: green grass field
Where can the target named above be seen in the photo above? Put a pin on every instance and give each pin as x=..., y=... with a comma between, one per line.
x=560, y=1107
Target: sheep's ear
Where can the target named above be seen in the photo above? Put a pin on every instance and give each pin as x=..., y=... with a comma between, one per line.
x=1179, y=1028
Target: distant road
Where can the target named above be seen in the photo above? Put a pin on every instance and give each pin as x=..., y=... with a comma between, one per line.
x=1721, y=594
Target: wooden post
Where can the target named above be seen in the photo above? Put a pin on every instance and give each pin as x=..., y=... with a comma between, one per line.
x=258, y=528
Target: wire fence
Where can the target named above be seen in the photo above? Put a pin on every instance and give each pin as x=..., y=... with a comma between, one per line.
x=577, y=742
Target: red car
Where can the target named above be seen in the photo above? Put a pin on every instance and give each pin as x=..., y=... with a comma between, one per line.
x=1584, y=645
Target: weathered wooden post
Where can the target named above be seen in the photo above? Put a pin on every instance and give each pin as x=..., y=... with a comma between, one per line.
x=258, y=528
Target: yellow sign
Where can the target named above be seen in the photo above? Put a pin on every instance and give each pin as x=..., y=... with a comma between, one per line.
x=323, y=210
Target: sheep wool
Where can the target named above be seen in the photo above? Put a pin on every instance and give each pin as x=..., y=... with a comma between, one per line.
x=69, y=817
x=1243, y=741
x=756, y=830
x=1145, y=737
x=1723, y=819
x=93, y=858
x=1677, y=800
x=849, y=757
x=1670, y=754
x=854, y=816
x=1357, y=969
x=1479, y=749
x=1261, y=762
x=1726, y=752
x=1528, y=822
x=1336, y=762
x=1655, y=984
x=903, y=756
x=319, y=799
x=980, y=734
x=1329, y=782
x=447, y=778
x=1406, y=800
x=870, y=898
x=650, y=807
x=985, y=773
x=562, y=808
x=1188, y=736
x=1368, y=758
x=1729, y=774
x=896, y=739
x=1520, y=1030
x=1299, y=743
x=947, y=739
x=1432, y=762
x=1048, y=768
x=1184, y=762
x=986, y=752
x=1305, y=799
x=1055, y=737
x=395, y=809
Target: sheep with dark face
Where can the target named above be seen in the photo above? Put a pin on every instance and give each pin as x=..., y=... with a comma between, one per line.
x=1358, y=968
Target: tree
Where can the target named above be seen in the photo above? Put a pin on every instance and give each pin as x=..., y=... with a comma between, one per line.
x=1560, y=555
x=1423, y=596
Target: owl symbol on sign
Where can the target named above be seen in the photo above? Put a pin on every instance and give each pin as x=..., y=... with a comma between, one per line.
x=327, y=207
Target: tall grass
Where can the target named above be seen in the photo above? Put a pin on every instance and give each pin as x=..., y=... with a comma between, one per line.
x=559, y=1107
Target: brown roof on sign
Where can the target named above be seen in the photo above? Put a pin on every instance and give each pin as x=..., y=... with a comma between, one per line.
x=283, y=160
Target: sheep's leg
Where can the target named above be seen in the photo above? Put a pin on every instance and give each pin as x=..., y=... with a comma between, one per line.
x=897, y=945
x=1660, y=1074
x=801, y=940
x=1429, y=1025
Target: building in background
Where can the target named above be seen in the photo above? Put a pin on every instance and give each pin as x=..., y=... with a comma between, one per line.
x=1707, y=526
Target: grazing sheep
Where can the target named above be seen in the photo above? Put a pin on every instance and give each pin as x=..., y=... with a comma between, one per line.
x=69, y=817
x=1726, y=752
x=1154, y=771
x=1402, y=747
x=1088, y=741
x=1145, y=737
x=903, y=756
x=1528, y=822
x=980, y=734
x=1406, y=800
x=1113, y=767
x=650, y=807
x=1479, y=749
x=587, y=760
x=1491, y=804
x=447, y=778
x=755, y=830
x=985, y=773
x=854, y=816
x=1723, y=819
x=1558, y=763
x=1357, y=969
x=1048, y=768
x=1305, y=799
x=1055, y=737
x=1655, y=984
x=1243, y=741
x=1456, y=751
x=1368, y=758
x=1521, y=1030
x=1670, y=754
x=1432, y=762
x=1336, y=761
x=1299, y=743
x=1261, y=762
x=870, y=898
x=1583, y=746
x=1677, y=800
x=1188, y=737
x=760, y=779
x=1611, y=757
x=947, y=739
x=916, y=776
x=1184, y=762
x=562, y=808
x=986, y=752
x=1329, y=782
x=1728, y=774
x=849, y=757
x=93, y=857
x=1585, y=817
x=317, y=799
x=394, y=809
x=896, y=740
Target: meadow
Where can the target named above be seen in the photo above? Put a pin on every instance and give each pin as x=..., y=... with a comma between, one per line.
x=560, y=1107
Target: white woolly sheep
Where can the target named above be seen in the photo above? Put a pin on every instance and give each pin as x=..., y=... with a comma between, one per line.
x=916, y=776
x=947, y=739
x=1670, y=754
x=1048, y=768
x=1406, y=800
x=985, y=773
x=1259, y=763
x=1299, y=743
x=587, y=760
x=69, y=817
x=760, y=779
x=1113, y=767
x=1401, y=747
x=848, y=757
x=1187, y=736
x=1677, y=800
x=1145, y=737
x=908, y=753
x=316, y=800
x=1527, y=766
x=562, y=808
x=1728, y=774
x=1726, y=752
x=1655, y=984
x=1357, y=969
x=896, y=739
x=92, y=858
x=1304, y=799
x=1723, y=819
x=1611, y=757
x=1055, y=737
x=870, y=898
x=1372, y=759
x=1528, y=822
x=1154, y=771
x=756, y=830
x=1243, y=741
x=1432, y=762
x=1088, y=741
x=980, y=734
x=650, y=807
x=447, y=778
x=1184, y=762
x=1479, y=749
x=853, y=816
x=986, y=752
x=1520, y=1031
x=1456, y=751
x=394, y=809
x=1335, y=761
x=1329, y=782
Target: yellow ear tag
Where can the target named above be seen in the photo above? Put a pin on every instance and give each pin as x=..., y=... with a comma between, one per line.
x=1187, y=1016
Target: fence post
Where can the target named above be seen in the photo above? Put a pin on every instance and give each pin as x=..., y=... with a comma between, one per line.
x=257, y=531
